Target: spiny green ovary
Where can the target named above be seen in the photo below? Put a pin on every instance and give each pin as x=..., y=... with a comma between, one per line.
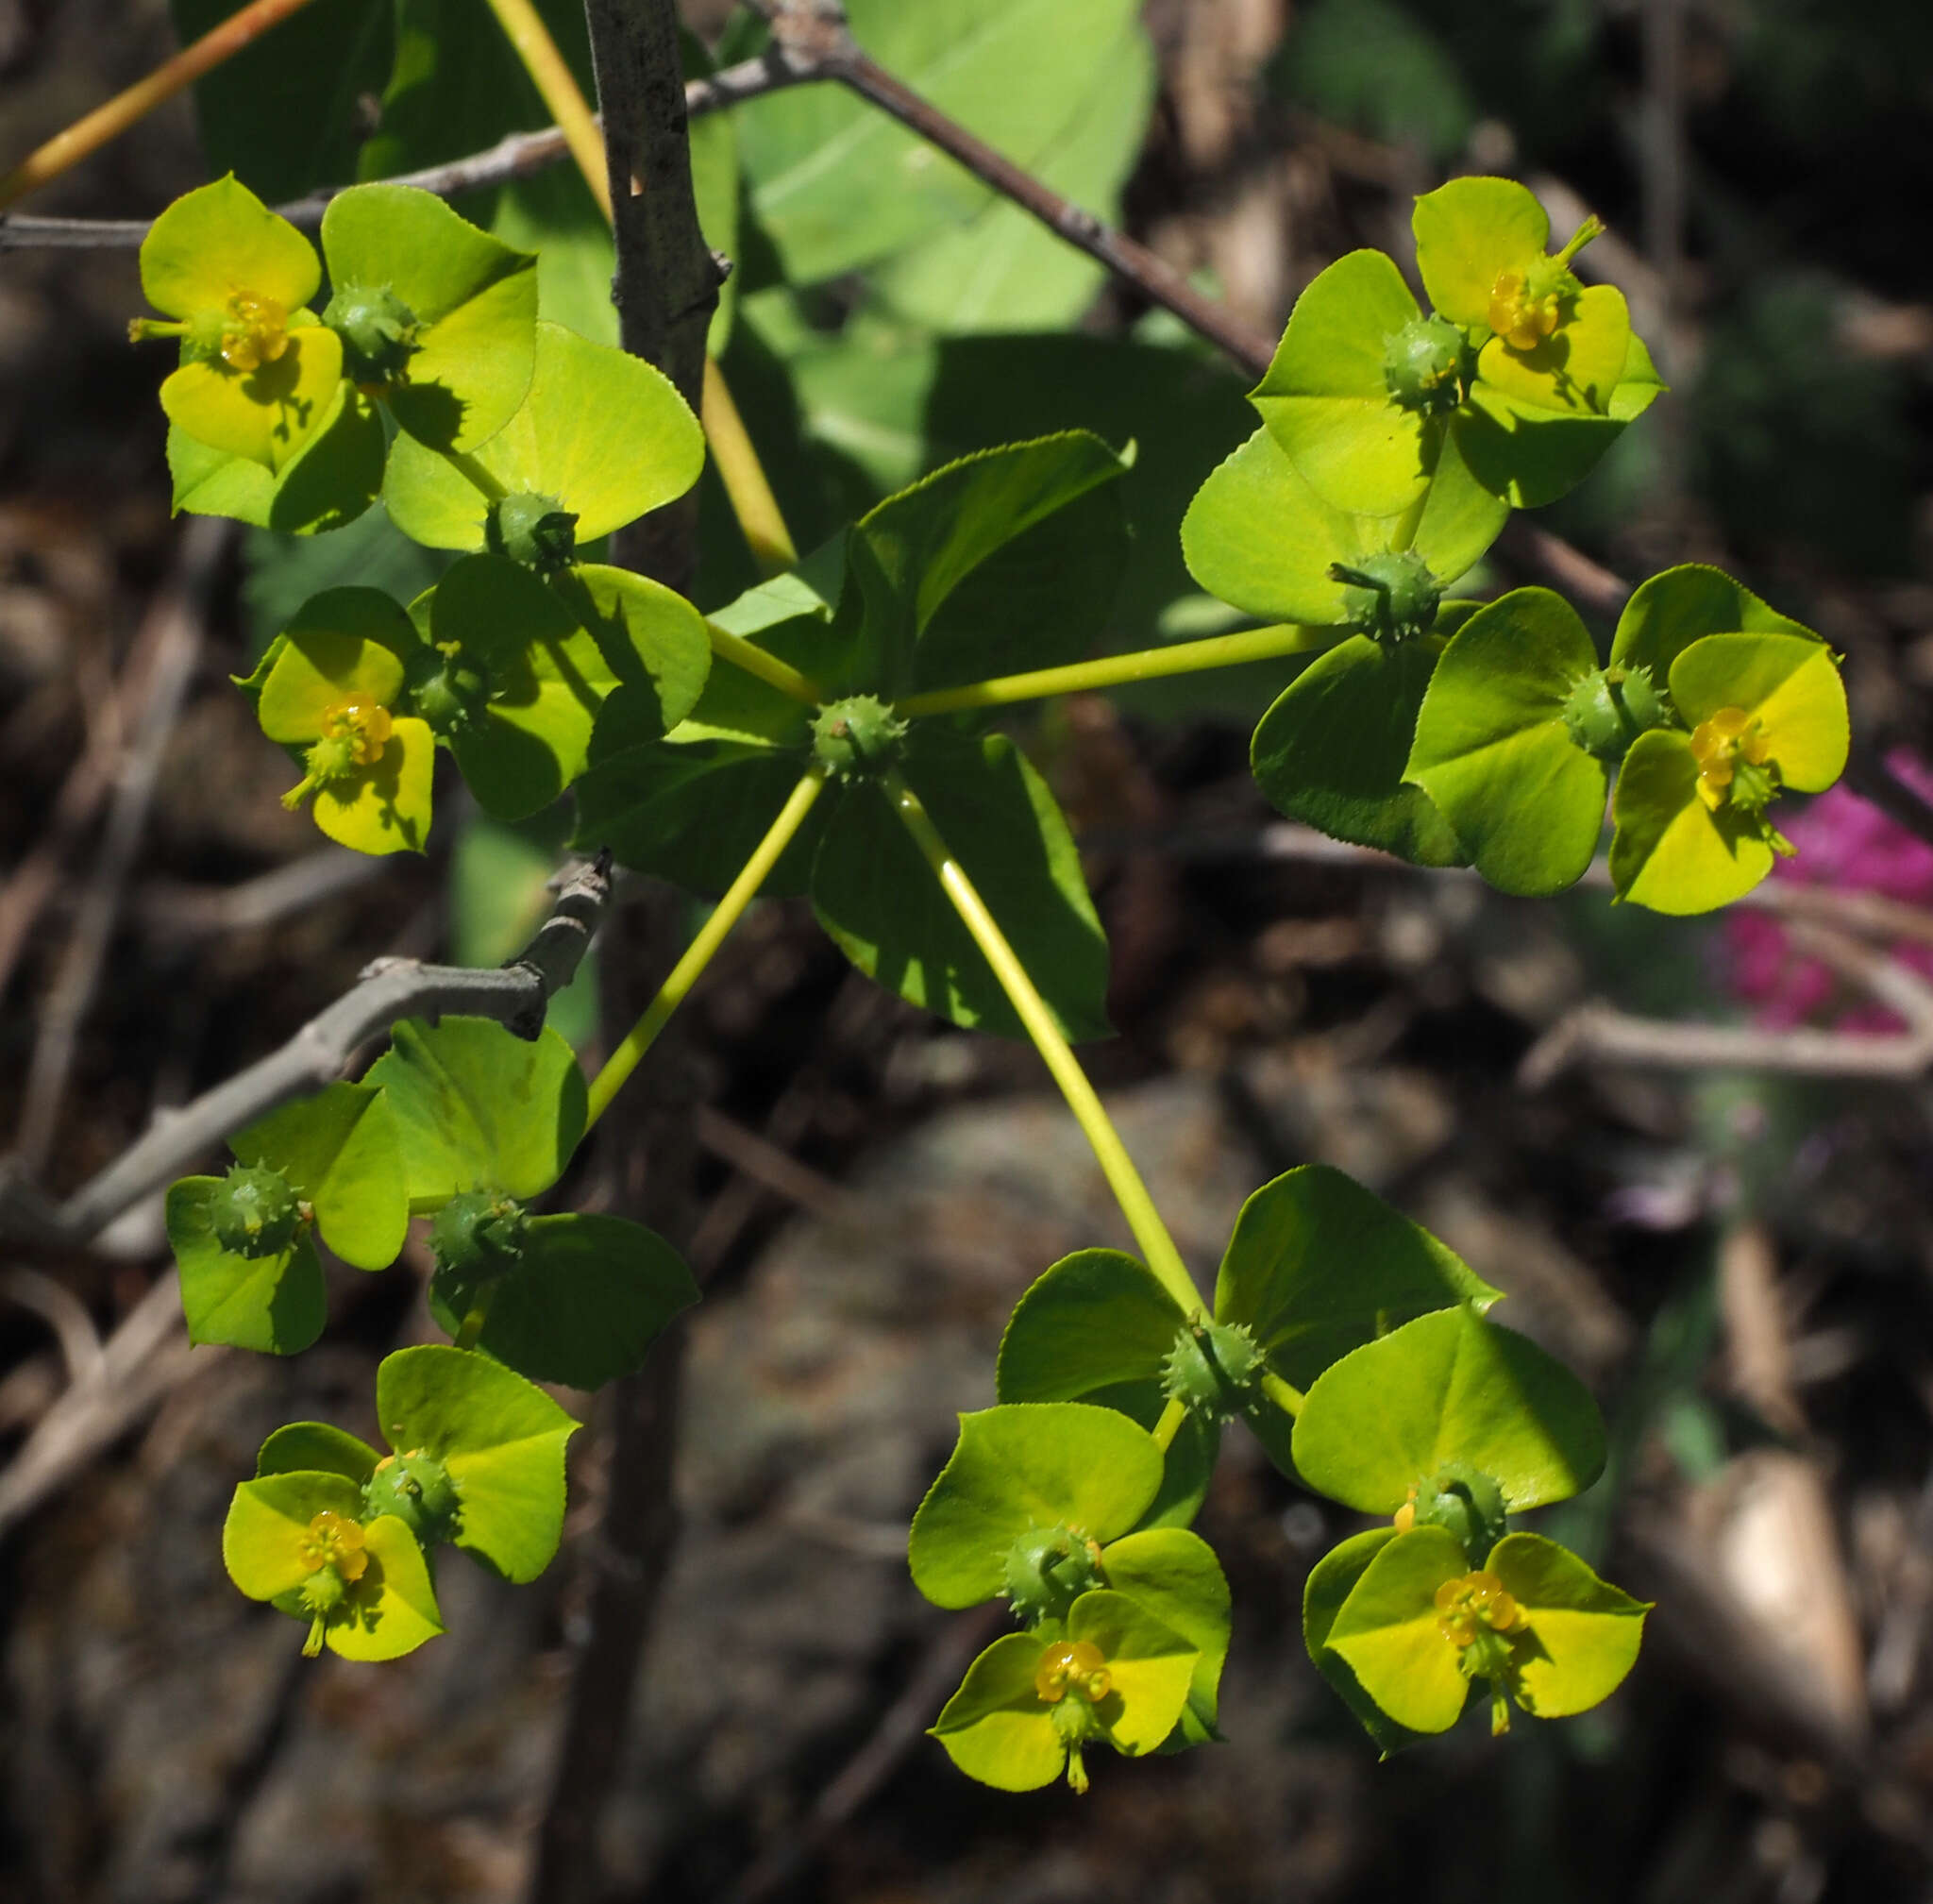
x=418, y=1491
x=857, y=737
x=1461, y=1500
x=255, y=1212
x=1608, y=708
x=379, y=331
x=1423, y=366
x=1390, y=596
x=1212, y=1368
x=478, y=1233
x=1048, y=1569
x=536, y=531
x=445, y=690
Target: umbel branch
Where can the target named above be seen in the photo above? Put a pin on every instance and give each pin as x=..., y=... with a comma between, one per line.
x=514, y=995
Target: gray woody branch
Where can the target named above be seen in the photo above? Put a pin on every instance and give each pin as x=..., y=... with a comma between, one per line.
x=391, y=988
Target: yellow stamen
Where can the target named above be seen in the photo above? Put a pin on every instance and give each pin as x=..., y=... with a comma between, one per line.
x=1718, y=744
x=334, y=1540
x=1468, y=1605
x=1072, y=1665
x=365, y=723
x=254, y=331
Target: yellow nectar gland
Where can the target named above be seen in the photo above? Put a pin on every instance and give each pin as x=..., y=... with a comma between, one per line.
x=1072, y=1666
x=255, y=330
x=1719, y=744
x=1468, y=1606
x=1520, y=320
x=366, y=725
x=334, y=1540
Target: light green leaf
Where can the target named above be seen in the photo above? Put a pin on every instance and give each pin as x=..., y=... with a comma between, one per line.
x=1670, y=853
x=1788, y=683
x=1583, y=1633
x=499, y=1437
x=1326, y=401
x=603, y=433
x=1331, y=1581
x=480, y=1108
x=275, y=1304
x=267, y=1520
x=1027, y=1466
x=997, y=1728
x=650, y=637
x=266, y=415
x=218, y=241
x=475, y=297
x=1576, y=369
x=1318, y=1266
x=835, y=183
x=340, y=1151
x=1388, y=1635
x=874, y=893
x=1667, y=614
x=587, y=1298
x=334, y=475
x=1175, y=1575
x=1152, y=1667
x=1446, y=1388
x=1332, y=750
x=1094, y=1321
x=392, y=1610
x=315, y=1447
x=1494, y=752
x=1468, y=232
x=385, y=806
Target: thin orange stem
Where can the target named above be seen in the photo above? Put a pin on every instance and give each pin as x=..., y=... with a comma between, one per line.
x=88, y=134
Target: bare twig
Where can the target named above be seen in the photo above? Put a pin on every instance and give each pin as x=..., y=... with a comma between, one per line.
x=515, y=157
x=1600, y=1034
x=146, y=1356
x=899, y=1731
x=65, y=1313
x=179, y=613
x=769, y=1166
x=391, y=988
x=181, y=911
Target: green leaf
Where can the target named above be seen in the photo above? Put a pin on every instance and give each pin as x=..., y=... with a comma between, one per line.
x=1494, y=752
x=340, y=1151
x=1325, y=398
x=1175, y=1575
x=1005, y=271
x=1386, y=1631
x=267, y=1519
x=650, y=637
x=1331, y=1581
x=344, y=645
x=875, y=895
x=499, y=1437
x=283, y=113
x=602, y=431
x=1332, y=750
x=475, y=297
x=1448, y=1387
x=218, y=241
x=1667, y=614
x=1583, y=1633
x=1468, y=234
x=275, y=1304
x=694, y=814
x=997, y=1728
x=315, y=1447
x=835, y=183
x=1319, y=1266
x=1670, y=852
x=392, y=1607
x=1098, y=1327
x=908, y=555
x=1639, y=387
x=587, y=1297
x=1574, y=372
x=480, y=1108
x=1524, y=453
x=1094, y=1321
x=268, y=416
x=384, y=807
x=1151, y=1665
x=1031, y=1465
x=1788, y=683
x=1258, y=536
x=329, y=483
x=546, y=679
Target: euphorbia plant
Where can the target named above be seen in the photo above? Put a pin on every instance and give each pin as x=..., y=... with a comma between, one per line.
x=830, y=731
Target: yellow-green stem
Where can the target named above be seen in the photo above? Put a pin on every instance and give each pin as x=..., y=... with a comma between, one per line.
x=710, y=936
x=477, y=1315
x=1124, y=1179
x=1286, y=1396
x=1148, y=664
x=523, y=27
x=1169, y=1424
x=737, y=462
x=768, y=668
x=90, y=133
x=743, y=477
